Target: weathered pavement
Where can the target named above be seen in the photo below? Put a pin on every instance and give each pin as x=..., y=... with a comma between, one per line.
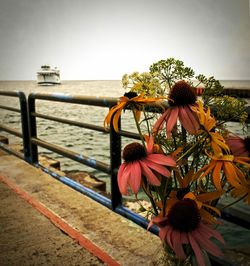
x=29, y=238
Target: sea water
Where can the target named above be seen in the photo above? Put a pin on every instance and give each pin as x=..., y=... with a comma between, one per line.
x=88, y=142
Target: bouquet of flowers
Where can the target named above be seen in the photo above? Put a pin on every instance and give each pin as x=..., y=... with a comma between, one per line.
x=187, y=159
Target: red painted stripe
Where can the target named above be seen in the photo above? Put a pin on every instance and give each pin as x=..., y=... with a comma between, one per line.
x=56, y=220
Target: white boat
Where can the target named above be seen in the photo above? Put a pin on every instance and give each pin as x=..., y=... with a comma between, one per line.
x=48, y=76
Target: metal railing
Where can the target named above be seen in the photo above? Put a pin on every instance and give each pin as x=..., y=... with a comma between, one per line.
x=24, y=134
x=115, y=200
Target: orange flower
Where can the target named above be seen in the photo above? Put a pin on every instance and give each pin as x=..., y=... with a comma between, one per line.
x=126, y=100
x=202, y=199
x=242, y=190
x=225, y=164
x=208, y=123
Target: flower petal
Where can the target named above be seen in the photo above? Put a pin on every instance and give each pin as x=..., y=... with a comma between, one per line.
x=216, y=175
x=135, y=177
x=231, y=174
x=112, y=111
x=158, y=124
x=116, y=119
x=197, y=250
x=158, y=168
x=194, y=118
x=212, y=232
x=123, y=176
x=186, y=119
x=163, y=232
x=149, y=174
x=207, y=244
x=212, y=208
x=161, y=159
x=172, y=120
x=150, y=145
x=177, y=245
x=243, y=160
x=184, y=238
x=206, y=169
x=169, y=237
x=209, y=196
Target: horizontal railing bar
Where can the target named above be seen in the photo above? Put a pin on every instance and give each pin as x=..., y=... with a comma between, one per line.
x=5, y=147
x=138, y=219
x=78, y=99
x=11, y=131
x=85, y=125
x=73, y=155
x=79, y=187
x=97, y=101
x=10, y=108
x=70, y=122
x=10, y=93
x=234, y=216
x=128, y=134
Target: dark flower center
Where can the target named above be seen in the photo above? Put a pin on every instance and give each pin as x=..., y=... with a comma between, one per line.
x=133, y=152
x=130, y=94
x=181, y=94
x=184, y=216
x=182, y=192
x=247, y=144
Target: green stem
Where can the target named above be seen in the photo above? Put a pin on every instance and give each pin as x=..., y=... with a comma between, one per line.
x=139, y=130
x=184, y=138
x=175, y=144
x=149, y=196
x=154, y=206
x=189, y=150
x=165, y=195
x=232, y=203
x=146, y=117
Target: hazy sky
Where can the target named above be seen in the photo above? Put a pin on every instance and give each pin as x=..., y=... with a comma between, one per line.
x=103, y=39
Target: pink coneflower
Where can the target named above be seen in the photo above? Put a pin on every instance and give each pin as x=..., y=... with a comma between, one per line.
x=138, y=162
x=183, y=225
x=239, y=146
x=182, y=100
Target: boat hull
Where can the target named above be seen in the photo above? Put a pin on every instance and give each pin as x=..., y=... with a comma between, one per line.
x=48, y=76
x=44, y=79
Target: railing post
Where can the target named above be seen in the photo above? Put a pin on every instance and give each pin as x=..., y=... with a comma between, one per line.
x=25, y=125
x=115, y=161
x=32, y=130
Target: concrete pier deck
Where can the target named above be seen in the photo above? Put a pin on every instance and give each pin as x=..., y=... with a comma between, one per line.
x=94, y=235
x=28, y=238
